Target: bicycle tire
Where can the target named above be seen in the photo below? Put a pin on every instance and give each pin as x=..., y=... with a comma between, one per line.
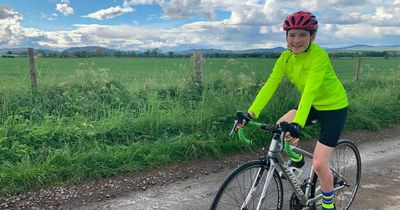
x=346, y=161
x=232, y=193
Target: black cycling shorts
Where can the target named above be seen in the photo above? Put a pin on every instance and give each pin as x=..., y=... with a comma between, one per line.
x=331, y=122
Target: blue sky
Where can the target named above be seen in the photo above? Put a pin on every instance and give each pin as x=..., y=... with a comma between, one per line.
x=174, y=25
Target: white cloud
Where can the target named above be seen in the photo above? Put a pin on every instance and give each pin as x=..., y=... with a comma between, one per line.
x=204, y=34
x=6, y=12
x=141, y=2
x=109, y=12
x=389, y=31
x=247, y=14
x=356, y=32
x=385, y=16
x=187, y=9
x=51, y=17
x=251, y=24
x=10, y=26
x=127, y=7
x=64, y=8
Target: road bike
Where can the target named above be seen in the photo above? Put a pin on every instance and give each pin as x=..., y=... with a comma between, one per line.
x=258, y=184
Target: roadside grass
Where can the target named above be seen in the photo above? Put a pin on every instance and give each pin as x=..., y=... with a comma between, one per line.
x=97, y=128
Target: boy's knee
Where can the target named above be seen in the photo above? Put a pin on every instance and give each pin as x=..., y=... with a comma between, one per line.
x=319, y=165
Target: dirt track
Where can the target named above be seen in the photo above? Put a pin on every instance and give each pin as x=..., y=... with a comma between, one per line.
x=380, y=185
x=192, y=185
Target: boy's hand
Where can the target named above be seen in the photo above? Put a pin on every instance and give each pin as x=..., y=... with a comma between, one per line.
x=243, y=119
x=294, y=130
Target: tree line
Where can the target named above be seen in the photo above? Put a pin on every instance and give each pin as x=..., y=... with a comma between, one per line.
x=156, y=52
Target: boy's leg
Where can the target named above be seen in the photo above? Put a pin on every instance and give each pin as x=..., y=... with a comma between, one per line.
x=322, y=154
x=332, y=123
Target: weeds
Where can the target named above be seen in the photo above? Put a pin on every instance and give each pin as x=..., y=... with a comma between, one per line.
x=97, y=128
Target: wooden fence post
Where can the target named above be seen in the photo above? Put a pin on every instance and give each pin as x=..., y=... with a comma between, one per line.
x=32, y=69
x=198, y=67
x=358, y=67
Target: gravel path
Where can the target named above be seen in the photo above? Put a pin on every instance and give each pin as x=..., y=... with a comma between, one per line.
x=192, y=185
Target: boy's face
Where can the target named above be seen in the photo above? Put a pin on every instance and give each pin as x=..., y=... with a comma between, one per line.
x=298, y=40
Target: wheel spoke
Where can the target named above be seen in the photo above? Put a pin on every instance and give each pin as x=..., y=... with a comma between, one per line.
x=237, y=186
x=345, y=163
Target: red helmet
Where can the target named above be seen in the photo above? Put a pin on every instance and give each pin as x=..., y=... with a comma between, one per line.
x=301, y=20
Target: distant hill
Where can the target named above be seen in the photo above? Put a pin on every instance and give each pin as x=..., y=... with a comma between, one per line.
x=280, y=49
x=13, y=50
x=24, y=51
x=89, y=49
x=217, y=51
x=204, y=51
x=366, y=48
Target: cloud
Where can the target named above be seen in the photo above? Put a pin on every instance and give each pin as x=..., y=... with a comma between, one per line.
x=385, y=16
x=127, y=7
x=64, y=8
x=109, y=12
x=51, y=17
x=10, y=26
x=6, y=12
x=141, y=2
x=188, y=9
x=251, y=24
x=356, y=33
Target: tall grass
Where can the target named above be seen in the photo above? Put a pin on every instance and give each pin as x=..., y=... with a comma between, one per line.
x=98, y=128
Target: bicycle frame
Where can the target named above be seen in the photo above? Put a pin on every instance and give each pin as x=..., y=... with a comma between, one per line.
x=276, y=160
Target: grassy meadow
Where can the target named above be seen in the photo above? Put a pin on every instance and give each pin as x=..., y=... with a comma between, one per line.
x=97, y=117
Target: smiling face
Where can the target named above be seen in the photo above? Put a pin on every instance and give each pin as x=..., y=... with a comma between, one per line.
x=298, y=40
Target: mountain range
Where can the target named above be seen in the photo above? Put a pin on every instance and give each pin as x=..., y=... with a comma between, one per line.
x=280, y=49
x=211, y=51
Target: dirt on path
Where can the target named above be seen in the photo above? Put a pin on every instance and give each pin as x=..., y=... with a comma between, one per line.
x=192, y=185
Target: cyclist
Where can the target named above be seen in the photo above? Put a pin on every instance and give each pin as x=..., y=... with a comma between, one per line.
x=323, y=97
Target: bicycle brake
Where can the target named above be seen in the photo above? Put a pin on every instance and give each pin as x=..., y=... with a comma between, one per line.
x=234, y=127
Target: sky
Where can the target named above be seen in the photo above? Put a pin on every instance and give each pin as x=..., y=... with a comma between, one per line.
x=175, y=25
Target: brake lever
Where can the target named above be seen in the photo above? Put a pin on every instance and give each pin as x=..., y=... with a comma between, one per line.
x=234, y=127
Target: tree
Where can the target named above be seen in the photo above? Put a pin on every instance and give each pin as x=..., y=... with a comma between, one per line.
x=130, y=53
x=65, y=54
x=99, y=52
x=81, y=54
x=147, y=53
x=118, y=53
x=155, y=52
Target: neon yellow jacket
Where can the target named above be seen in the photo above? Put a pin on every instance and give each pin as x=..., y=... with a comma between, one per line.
x=313, y=75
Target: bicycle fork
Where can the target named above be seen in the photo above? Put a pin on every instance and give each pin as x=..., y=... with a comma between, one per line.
x=255, y=185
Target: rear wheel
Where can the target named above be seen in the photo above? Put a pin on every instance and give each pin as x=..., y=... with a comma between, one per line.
x=345, y=163
x=237, y=186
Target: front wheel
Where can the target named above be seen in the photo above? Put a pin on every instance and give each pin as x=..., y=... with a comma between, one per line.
x=249, y=176
x=345, y=164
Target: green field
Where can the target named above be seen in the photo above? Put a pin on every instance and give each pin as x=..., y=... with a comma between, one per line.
x=134, y=73
x=98, y=117
x=137, y=73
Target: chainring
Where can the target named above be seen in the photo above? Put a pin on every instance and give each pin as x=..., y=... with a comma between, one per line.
x=295, y=203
